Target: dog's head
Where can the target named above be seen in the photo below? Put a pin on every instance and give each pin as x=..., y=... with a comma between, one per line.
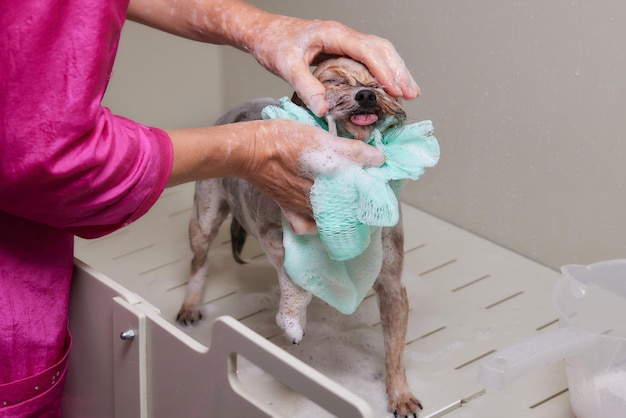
x=357, y=101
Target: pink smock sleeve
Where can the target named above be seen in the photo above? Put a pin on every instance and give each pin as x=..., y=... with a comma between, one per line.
x=67, y=166
x=65, y=160
x=89, y=183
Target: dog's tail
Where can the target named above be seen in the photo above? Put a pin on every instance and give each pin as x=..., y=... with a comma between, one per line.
x=238, y=237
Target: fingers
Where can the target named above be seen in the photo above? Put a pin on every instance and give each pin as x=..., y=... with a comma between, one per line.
x=379, y=56
x=300, y=224
x=348, y=151
x=309, y=89
x=404, y=82
x=369, y=156
x=331, y=153
x=289, y=46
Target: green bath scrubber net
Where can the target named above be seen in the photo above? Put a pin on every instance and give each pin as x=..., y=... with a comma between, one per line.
x=340, y=263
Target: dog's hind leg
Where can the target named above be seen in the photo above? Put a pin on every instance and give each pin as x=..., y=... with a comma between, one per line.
x=209, y=211
x=394, y=314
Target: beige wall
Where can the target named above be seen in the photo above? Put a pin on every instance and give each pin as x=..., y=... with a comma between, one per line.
x=165, y=81
x=527, y=98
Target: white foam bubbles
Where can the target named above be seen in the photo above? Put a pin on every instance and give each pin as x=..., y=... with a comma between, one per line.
x=345, y=348
x=323, y=160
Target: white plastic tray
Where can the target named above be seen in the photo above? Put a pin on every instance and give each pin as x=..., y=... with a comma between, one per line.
x=468, y=298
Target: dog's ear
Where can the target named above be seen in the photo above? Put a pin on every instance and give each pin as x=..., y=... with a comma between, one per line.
x=297, y=100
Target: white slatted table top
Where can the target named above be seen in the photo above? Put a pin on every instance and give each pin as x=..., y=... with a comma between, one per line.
x=468, y=297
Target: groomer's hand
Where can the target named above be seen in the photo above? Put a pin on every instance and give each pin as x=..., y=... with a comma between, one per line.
x=280, y=157
x=288, y=46
x=289, y=155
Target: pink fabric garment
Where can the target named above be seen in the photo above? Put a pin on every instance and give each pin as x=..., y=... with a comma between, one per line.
x=67, y=166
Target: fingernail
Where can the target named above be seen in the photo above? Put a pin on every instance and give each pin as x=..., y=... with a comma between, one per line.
x=300, y=224
x=415, y=90
x=318, y=105
x=413, y=87
x=410, y=89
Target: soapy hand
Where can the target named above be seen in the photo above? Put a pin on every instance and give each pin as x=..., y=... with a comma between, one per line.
x=287, y=47
x=286, y=157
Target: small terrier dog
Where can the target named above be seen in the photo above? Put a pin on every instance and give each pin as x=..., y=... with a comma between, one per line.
x=357, y=104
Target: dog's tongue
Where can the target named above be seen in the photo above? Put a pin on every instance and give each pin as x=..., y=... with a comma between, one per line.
x=364, y=119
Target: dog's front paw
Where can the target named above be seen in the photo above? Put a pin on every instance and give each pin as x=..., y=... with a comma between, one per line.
x=293, y=329
x=189, y=314
x=405, y=406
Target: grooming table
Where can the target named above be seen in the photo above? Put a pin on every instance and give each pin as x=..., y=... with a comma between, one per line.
x=468, y=298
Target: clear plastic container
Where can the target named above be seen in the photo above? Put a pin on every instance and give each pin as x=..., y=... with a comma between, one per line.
x=591, y=303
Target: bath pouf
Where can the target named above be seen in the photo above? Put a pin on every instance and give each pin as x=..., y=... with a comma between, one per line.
x=341, y=262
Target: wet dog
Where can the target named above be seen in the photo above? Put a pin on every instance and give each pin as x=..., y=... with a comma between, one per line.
x=357, y=104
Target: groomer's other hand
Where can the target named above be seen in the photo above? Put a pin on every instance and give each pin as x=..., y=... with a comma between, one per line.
x=288, y=46
x=289, y=155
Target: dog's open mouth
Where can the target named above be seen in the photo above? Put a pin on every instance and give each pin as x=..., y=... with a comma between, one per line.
x=364, y=119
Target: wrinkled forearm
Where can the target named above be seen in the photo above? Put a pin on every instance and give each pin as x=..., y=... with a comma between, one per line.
x=224, y=22
x=211, y=152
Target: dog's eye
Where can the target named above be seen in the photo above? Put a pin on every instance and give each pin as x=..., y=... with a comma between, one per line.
x=338, y=80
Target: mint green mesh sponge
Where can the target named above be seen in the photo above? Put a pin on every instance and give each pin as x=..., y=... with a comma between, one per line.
x=340, y=263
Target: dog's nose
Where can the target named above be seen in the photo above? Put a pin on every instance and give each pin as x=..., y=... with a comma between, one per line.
x=365, y=98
